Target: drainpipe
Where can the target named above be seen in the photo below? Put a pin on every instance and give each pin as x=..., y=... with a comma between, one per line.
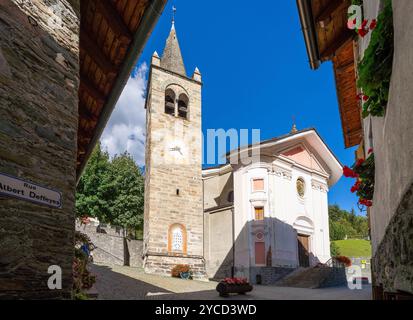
x=310, y=37
x=233, y=243
x=148, y=22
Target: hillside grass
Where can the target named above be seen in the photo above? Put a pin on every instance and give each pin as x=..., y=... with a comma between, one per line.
x=354, y=248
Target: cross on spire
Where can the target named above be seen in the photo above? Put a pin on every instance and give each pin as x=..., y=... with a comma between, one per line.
x=294, y=128
x=173, y=14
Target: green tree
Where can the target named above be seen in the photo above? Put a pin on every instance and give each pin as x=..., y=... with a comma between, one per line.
x=128, y=191
x=92, y=197
x=112, y=191
x=344, y=223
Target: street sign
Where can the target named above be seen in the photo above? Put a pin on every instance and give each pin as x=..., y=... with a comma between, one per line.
x=28, y=191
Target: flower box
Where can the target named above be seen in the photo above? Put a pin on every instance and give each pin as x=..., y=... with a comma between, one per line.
x=237, y=286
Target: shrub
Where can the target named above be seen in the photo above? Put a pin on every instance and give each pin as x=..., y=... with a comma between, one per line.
x=334, y=249
x=178, y=269
x=83, y=280
x=376, y=67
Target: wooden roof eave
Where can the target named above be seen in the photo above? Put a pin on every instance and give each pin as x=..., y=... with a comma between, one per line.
x=149, y=19
x=309, y=32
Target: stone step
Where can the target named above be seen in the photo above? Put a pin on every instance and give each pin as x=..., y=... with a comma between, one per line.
x=315, y=278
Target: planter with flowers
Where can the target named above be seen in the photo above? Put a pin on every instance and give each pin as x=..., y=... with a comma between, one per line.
x=83, y=280
x=233, y=285
x=363, y=172
x=182, y=271
x=345, y=261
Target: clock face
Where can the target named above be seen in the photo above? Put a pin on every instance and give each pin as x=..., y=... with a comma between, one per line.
x=177, y=150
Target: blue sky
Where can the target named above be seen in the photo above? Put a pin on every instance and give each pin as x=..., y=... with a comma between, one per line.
x=255, y=72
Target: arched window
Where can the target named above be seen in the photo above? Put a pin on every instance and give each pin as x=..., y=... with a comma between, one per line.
x=177, y=242
x=177, y=239
x=170, y=102
x=183, y=102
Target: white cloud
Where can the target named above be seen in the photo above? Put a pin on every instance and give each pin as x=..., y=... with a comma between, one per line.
x=125, y=130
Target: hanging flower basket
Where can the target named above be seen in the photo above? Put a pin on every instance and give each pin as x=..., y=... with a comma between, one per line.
x=363, y=172
x=233, y=285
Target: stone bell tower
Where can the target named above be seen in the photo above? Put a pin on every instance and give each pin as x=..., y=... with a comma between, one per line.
x=173, y=232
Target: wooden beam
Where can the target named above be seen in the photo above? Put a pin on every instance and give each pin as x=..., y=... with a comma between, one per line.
x=96, y=54
x=114, y=20
x=336, y=44
x=91, y=89
x=328, y=10
x=86, y=114
x=83, y=136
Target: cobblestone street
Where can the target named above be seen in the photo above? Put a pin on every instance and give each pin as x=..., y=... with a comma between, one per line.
x=125, y=283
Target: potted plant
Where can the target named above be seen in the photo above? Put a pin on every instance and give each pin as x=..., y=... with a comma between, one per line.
x=343, y=260
x=182, y=271
x=233, y=285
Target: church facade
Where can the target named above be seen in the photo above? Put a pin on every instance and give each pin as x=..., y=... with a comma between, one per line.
x=253, y=220
x=270, y=216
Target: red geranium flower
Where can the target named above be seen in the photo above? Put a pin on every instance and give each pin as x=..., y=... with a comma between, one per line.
x=373, y=24
x=365, y=202
x=356, y=186
x=359, y=162
x=362, y=32
x=349, y=173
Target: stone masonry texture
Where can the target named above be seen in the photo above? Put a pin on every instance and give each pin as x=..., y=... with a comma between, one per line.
x=111, y=246
x=173, y=186
x=393, y=260
x=38, y=126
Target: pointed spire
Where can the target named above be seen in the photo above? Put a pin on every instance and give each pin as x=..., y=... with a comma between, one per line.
x=172, y=57
x=197, y=75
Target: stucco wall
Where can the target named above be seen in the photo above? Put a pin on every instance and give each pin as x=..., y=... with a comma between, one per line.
x=218, y=243
x=392, y=134
x=391, y=137
x=38, y=125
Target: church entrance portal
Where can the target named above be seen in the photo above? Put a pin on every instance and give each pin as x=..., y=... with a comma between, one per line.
x=303, y=250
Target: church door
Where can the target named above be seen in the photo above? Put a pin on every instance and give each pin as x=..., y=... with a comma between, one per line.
x=303, y=251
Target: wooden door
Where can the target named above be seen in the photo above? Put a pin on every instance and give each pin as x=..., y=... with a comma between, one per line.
x=303, y=250
x=260, y=253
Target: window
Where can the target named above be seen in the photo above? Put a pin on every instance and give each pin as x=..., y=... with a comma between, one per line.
x=170, y=102
x=301, y=187
x=177, y=238
x=183, y=102
x=258, y=185
x=259, y=213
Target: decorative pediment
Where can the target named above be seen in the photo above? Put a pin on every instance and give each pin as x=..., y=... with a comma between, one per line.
x=302, y=156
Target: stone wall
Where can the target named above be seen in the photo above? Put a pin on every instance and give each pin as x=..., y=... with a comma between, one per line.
x=111, y=247
x=38, y=126
x=393, y=261
x=163, y=266
x=269, y=275
x=173, y=186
